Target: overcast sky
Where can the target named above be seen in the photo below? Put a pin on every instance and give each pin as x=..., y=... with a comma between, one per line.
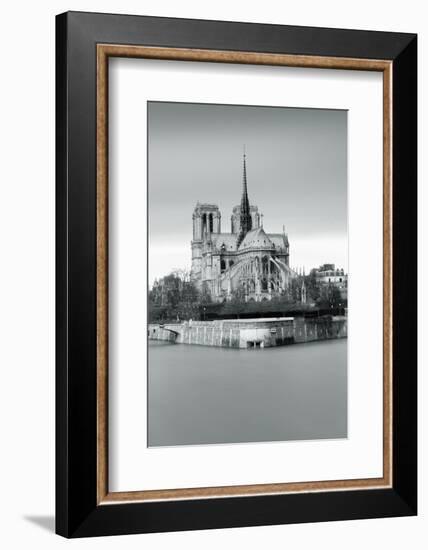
x=296, y=172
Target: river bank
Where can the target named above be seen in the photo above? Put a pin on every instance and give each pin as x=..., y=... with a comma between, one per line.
x=251, y=333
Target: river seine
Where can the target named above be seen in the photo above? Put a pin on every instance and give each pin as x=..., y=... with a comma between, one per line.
x=203, y=395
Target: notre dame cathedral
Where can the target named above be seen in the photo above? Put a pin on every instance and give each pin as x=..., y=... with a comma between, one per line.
x=247, y=260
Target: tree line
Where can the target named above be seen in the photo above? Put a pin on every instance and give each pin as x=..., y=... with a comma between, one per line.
x=175, y=297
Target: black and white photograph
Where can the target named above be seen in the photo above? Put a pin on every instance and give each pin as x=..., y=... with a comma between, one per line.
x=247, y=274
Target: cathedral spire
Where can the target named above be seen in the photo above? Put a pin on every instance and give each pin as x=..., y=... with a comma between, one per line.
x=244, y=178
x=245, y=215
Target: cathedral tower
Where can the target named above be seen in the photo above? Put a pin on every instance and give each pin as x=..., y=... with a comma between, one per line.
x=206, y=222
x=245, y=214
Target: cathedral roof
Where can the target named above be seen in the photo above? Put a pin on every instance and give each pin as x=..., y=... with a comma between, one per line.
x=256, y=238
x=280, y=240
x=228, y=239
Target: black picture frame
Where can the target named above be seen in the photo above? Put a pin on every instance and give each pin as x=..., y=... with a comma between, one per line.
x=77, y=511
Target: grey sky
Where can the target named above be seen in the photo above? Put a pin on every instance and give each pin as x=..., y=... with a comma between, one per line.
x=296, y=169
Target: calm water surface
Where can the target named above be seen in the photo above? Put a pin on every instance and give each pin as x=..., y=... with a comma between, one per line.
x=202, y=395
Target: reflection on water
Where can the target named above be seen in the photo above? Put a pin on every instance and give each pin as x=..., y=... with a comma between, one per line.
x=202, y=395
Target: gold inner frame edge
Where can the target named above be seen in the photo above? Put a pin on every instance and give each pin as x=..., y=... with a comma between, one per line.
x=104, y=51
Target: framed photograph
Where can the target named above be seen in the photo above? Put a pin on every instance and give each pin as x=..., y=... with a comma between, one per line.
x=236, y=274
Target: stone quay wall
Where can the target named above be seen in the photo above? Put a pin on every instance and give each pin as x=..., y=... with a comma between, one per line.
x=250, y=333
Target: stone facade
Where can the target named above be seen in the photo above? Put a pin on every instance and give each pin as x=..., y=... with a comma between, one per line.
x=328, y=274
x=247, y=261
